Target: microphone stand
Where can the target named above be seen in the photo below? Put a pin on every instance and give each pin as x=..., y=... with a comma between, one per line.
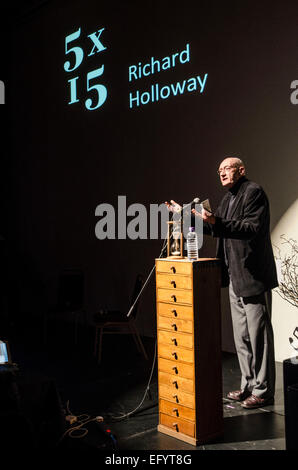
x=147, y=280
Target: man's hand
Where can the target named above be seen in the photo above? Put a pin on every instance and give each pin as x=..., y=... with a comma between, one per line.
x=173, y=206
x=205, y=215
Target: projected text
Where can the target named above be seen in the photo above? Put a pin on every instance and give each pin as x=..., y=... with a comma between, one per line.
x=155, y=91
x=76, y=57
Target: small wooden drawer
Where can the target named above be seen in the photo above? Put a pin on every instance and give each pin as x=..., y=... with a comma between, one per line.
x=173, y=267
x=171, y=324
x=175, y=353
x=177, y=411
x=173, y=281
x=178, y=369
x=174, y=338
x=178, y=424
x=176, y=382
x=175, y=296
x=176, y=396
x=178, y=311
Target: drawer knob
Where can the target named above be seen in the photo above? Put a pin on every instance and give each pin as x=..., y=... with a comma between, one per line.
x=174, y=298
x=175, y=383
x=175, y=370
x=175, y=355
x=176, y=398
x=175, y=410
x=173, y=269
x=173, y=284
x=174, y=313
x=174, y=341
x=175, y=425
x=174, y=326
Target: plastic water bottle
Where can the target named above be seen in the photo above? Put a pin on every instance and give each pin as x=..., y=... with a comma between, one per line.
x=192, y=244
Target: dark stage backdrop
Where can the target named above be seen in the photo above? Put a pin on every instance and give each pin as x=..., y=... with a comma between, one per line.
x=229, y=93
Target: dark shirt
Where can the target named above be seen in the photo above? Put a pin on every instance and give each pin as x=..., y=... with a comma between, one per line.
x=233, y=193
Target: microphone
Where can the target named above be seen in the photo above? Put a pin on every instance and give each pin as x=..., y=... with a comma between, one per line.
x=196, y=200
x=185, y=208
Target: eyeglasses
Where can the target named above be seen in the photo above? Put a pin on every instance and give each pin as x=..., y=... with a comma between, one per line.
x=225, y=168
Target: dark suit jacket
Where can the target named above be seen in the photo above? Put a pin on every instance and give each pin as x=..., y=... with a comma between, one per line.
x=247, y=240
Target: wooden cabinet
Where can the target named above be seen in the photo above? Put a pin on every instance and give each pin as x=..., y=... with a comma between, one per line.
x=189, y=349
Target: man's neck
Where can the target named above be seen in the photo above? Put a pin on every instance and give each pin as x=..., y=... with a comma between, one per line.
x=236, y=186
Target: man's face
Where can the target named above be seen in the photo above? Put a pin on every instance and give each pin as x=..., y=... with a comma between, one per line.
x=229, y=172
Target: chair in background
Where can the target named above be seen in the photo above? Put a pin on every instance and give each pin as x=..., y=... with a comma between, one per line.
x=116, y=322
x=70, y=301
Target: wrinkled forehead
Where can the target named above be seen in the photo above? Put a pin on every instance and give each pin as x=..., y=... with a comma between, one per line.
x=229, y=162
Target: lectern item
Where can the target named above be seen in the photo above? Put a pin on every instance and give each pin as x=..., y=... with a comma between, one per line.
x=189, y=349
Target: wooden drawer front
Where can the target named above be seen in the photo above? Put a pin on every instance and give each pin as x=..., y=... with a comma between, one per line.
x=178, y=411
x=178, y=424
x=173, y=267
x=176, y=368
x=183, y=340
x=168, y=323
x=175, y=353
x=175, y=296
x=173, y=281
x=181, y=312
x=176, y=382
x=176, y=396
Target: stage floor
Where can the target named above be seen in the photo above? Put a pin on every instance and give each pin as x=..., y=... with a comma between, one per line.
x=117, y=386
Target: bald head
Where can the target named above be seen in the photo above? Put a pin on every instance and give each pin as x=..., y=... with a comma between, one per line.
x=230, y=170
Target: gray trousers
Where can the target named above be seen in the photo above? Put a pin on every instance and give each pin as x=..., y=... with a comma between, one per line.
x=254, y=342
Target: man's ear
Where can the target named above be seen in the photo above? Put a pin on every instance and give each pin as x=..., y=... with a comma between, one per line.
x=241, y=170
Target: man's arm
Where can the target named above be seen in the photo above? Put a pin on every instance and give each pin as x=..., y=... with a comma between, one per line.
x=254, y=216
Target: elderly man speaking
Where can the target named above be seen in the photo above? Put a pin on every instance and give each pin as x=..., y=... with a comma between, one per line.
x=242, y=225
